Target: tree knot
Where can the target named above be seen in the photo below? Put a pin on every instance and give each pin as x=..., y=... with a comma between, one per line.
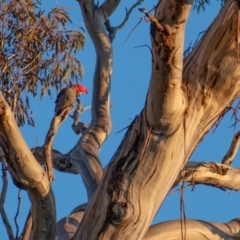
x=117, y=212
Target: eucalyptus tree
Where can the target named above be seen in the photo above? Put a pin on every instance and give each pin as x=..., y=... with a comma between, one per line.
x=185, y=98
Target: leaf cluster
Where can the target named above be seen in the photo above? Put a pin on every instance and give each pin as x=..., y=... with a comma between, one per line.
x=36, y=53
x=201, y=4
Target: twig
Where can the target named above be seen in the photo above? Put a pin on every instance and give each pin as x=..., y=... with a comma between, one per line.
x=33, y=61
x=5, y=184
x=14, y=103
x=152, y=19
x=228, y=158
x=190, y=48
x=182, y=210
x=235, y=111
x=166, y=29
x=141, y=19
x=128, y=12
x=179, y=189
x=7, y=225
x=132, y=30
x=33, y=149
x=2, y=200
x=145, y=45
x=77, y=126
x=17, y=213
x=122, y=129
x=112, y=30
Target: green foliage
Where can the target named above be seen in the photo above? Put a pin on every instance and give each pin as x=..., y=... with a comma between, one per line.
x=36, y=52
x=200, y=4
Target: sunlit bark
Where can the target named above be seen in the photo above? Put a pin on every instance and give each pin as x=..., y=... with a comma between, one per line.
x=183, y=103
x=28, y=174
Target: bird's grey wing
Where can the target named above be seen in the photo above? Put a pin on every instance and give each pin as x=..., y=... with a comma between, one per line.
x=60, y=100
x=65, y=99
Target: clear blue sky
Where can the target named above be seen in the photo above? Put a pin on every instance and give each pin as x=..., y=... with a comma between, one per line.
x=130, y=78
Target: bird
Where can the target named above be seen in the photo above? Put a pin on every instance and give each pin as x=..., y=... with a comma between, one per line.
x=67, y=97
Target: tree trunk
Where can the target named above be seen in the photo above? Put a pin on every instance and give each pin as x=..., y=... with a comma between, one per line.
x=182, y=105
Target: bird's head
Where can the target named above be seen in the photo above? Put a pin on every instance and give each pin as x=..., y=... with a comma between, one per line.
x=80, y=89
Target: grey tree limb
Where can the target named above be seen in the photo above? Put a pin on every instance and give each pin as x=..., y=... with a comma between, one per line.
x=100, y=126
x=2, y=200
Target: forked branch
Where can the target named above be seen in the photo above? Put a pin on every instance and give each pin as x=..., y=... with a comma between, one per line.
x=112, y=30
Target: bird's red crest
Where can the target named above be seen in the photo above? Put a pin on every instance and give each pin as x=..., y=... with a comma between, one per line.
x=81, y=88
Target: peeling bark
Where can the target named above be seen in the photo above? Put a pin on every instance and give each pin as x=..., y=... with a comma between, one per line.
x=166, y=102
x=211, y=76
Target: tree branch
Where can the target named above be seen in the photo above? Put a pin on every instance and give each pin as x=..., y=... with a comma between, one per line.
x=7, y=224
x=47, y=148
x=165, y=100
x=228, y=158
x=2, y=199
x=17, y=213
x=214, y=174
x=77, y=126
x=211, y=76
x=71, y=162
x=100, y=126
x=195, y=229
x=28, y=174
x=61, y=162
x=5, y=183
x=112, y=30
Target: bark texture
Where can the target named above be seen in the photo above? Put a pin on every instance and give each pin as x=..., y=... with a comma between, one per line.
x=28, y=174
x=195, y=229
x=184, y=100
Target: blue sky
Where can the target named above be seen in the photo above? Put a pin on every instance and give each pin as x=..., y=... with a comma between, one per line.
x=130, y=78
